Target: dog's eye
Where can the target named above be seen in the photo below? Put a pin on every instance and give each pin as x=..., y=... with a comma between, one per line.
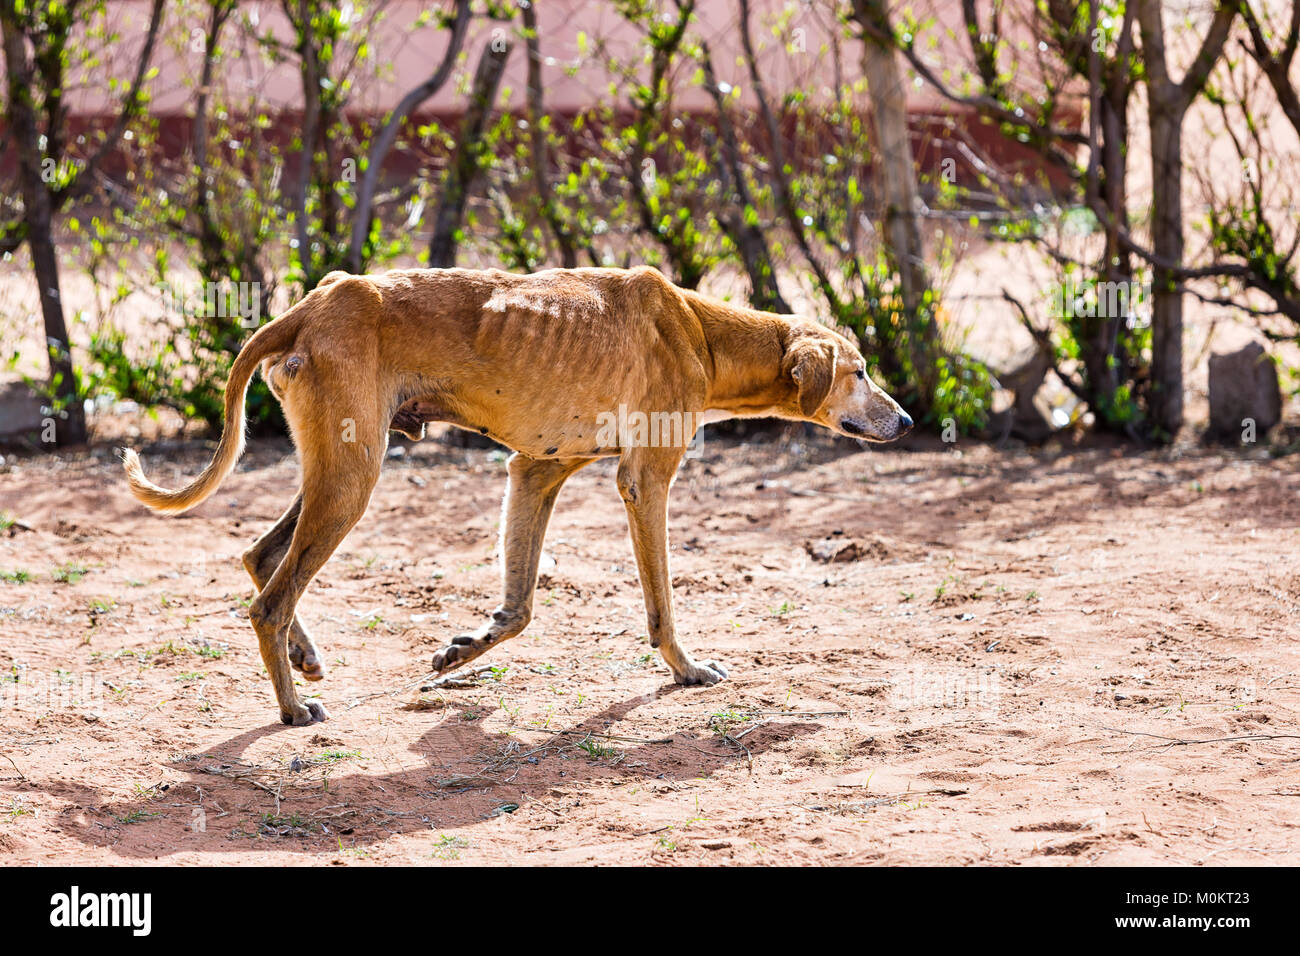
x=862, y=373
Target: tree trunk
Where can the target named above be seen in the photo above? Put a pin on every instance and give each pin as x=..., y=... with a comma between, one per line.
x=1167, y=104
x=38, y=214
x=901, y=228
x=310, y=74
x=537, y=140
x=1101, y=357
x=1166, y=120
x=466, y=163
x=70, y=420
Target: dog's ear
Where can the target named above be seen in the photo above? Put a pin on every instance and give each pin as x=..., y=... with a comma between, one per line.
x=812, y=366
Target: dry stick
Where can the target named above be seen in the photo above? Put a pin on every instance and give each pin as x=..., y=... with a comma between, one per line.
x=749, y=757
x=15, y=766
x=735, y=739
x=799, y=713
x=456, y=679
x=588, y=733
x=462, y=678
x=1182, y=742
x=880, y=801
x=218, y=772
x=750, y=730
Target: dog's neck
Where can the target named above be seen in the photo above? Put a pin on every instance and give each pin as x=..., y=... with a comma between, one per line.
x=747, y=347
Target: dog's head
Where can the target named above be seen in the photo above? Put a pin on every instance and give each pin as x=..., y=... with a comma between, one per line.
x=834, y=389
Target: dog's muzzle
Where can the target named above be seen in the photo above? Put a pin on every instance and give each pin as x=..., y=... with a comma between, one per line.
x=902, y=426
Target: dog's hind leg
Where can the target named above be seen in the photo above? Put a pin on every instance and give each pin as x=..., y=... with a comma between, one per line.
x=337, y=481
x=260, y=561
x=644, y=478
x=530, y=498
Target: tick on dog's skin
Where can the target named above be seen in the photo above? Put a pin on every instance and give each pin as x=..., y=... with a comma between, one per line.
x=511, y=356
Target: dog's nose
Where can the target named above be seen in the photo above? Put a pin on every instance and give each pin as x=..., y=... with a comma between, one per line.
x=905, y=424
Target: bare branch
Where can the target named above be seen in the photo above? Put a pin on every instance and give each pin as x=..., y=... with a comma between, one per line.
x=82, y=181
x=383, y=143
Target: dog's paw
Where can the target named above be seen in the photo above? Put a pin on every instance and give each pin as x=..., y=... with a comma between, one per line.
x=307, y=662
x=312, y=713
x=464, y=648
x=702, y=673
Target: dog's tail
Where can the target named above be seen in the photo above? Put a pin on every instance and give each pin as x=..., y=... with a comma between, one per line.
x=275, y=336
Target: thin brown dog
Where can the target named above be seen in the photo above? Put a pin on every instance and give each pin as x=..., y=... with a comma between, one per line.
x=541, y=363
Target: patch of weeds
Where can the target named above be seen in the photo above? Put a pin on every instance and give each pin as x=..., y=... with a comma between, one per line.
x=17, y=810
x=785, y=608
x=18, y=576
x=361, y=853
x=98, y=608
x=699, y=814
x=449, y=846
x=135, y=816
x=191, y=675
x=334, y=756
x=211, y=653
x=69, y=573
x=511, y=712
x=724, y=722
x=598, y=750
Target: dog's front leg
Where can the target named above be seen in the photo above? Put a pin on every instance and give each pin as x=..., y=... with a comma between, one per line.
x=531, y=491
x=644, y=477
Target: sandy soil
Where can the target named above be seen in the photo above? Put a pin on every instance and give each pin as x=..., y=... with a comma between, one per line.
x=1075, y=656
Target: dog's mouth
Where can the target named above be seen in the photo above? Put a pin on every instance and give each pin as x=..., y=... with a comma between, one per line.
x=868, y=434
x=858, y=430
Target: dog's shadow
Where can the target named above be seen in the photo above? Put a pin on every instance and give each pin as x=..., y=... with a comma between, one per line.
x=349, y=810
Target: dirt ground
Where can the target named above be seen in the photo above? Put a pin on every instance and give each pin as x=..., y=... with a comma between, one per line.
x=1058, y=657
